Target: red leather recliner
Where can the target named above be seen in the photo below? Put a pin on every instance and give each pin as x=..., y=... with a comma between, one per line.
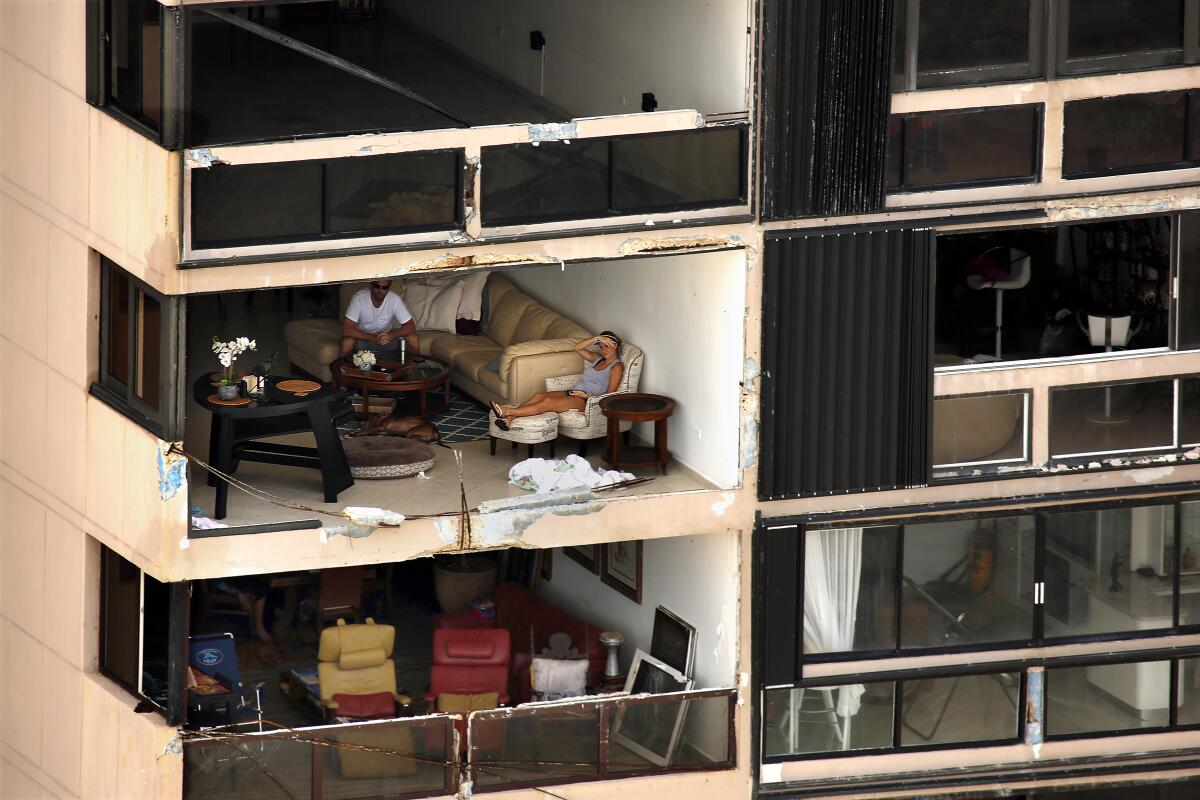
x=468, y=662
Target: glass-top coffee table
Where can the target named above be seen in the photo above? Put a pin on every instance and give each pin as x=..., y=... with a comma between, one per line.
x=419, y=374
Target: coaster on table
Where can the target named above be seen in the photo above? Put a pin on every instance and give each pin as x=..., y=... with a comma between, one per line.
x=237, y=401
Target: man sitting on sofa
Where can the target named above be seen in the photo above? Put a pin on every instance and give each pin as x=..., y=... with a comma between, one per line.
x=369, y=318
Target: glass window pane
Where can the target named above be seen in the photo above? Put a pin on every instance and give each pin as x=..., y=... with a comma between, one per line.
x=121, y=624
x=1109, y=571
x=895, y=151
x=1118, y=134
x=1189, y=582
x=379, y=193
x=968, y=582
x=828, y=719
x=351, y=774
x=1189, y=411
x=1108, y=697
x=148, y=348
x=1189, y=697
x=678, y=170
x=256, y=203
x=978, y=146
x=981, y=428
x=957, y=35
x=1112, y=27
x=256, y=767
x=552, y=181
x=557, y=744
x=135, y=58
x=850, y=590
x=967, y=708
x=118, y=325
x=1112, y=419
x=1187, y=321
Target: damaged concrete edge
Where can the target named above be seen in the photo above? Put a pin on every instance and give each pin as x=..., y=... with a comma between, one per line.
x=679, y=244
x=172, y=470
x=502, y=523
x=451, y=261
x=1162, y=462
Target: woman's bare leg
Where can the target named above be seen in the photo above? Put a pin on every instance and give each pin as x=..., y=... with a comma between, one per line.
x=556, y=401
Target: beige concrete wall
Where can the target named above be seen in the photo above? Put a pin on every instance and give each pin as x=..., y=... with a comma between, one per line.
x=71, y=178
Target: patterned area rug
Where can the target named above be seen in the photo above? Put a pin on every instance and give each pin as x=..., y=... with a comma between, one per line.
x=465, y=421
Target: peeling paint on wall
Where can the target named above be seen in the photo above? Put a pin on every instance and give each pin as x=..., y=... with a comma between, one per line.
x=678, y=244
x=451, y=261
x=553, y=132
x=504, y=521
x=719, y=507
x=201, y=157
x=172, y=471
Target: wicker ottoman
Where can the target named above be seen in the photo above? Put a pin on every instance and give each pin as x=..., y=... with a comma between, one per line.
x=528, y=430
x=376, y=457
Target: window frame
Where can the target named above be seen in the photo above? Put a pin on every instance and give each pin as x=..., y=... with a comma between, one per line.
x=166, y=420
x=1039, y=130
x=1064, y=66
x=1191, y=117
x=1038, y=637
x=1049, y=30
x=911, y=79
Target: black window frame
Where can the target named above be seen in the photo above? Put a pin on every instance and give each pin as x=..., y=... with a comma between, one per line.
x=325, y=235
x=897, y=680
x=176, y=646
x=612, y=211
x=907, y=47
x=1048, y=40
x=172, y=68
x=1035, y=176
x=1038, y=637
x=165, y=421
x=1191, y=118
x=1123, y=62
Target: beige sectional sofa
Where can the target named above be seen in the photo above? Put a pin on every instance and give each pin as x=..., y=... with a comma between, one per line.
x=521, y=344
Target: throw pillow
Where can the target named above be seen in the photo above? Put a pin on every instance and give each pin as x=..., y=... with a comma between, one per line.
x=434, y=308
x=469, y=327
x=556, y=678
x=471, y=304
x=466, y=703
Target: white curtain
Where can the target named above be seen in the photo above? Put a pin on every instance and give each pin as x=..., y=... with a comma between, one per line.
x=832, y=573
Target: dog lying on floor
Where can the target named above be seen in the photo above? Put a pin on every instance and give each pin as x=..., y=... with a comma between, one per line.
x=408, y=427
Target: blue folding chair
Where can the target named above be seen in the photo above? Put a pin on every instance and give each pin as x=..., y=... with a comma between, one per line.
x=215, y=654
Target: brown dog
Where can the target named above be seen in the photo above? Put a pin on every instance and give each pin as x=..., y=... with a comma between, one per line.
x=408, y=427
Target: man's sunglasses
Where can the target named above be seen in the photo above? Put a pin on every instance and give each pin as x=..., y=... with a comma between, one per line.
x=380, y=287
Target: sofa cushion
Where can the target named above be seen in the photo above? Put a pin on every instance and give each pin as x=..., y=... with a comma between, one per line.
x=318, y=337
x=448, y=703
x=451, y=348
x=434, y=307
x=473, y=363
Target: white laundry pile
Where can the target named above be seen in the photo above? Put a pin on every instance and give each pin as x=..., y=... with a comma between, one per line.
x=548, y=475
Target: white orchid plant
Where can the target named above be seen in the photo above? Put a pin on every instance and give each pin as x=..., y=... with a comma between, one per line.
x=363, y=359
x=228, y=352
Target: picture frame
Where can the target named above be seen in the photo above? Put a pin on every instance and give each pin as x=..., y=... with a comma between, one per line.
x=621, y=568
x=586, y=555
x=651, y=730
x=673, y=641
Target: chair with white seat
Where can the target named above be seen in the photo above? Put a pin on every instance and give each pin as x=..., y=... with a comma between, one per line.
x=1018, y=278
x=590, y=423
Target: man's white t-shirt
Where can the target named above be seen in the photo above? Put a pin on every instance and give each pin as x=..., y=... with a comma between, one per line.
x=370, y=319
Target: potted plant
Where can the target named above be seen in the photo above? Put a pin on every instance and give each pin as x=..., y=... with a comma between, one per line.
x=364, y=360
x=227, y=353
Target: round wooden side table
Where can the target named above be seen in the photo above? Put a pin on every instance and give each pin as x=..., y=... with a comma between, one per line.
x=637, y=407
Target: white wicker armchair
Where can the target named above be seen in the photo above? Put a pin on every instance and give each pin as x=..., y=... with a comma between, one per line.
x=590, y=423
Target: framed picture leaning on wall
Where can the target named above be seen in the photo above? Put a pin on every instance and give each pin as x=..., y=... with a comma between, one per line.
x=586, y=555
x=621, y=568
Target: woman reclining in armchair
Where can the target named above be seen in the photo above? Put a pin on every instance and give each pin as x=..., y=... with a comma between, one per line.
x=602, y=377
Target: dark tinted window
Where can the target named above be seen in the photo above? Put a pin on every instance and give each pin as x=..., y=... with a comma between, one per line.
x=1113, y=27
x=1124, y=134
x=959, y=35
x=678, y=170
x=254, y=203
x=135, y=58
x=992, y=145
x=392, y=192
x=148, y=348
x=553, y=180
x=120, y=624
x=1098, y=419
x=1187, y=321
x=117, y=326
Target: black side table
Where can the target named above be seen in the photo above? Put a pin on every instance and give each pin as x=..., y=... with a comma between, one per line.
x=236, y=430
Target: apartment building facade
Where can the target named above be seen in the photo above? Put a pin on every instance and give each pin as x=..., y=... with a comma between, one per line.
x=917, y=279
